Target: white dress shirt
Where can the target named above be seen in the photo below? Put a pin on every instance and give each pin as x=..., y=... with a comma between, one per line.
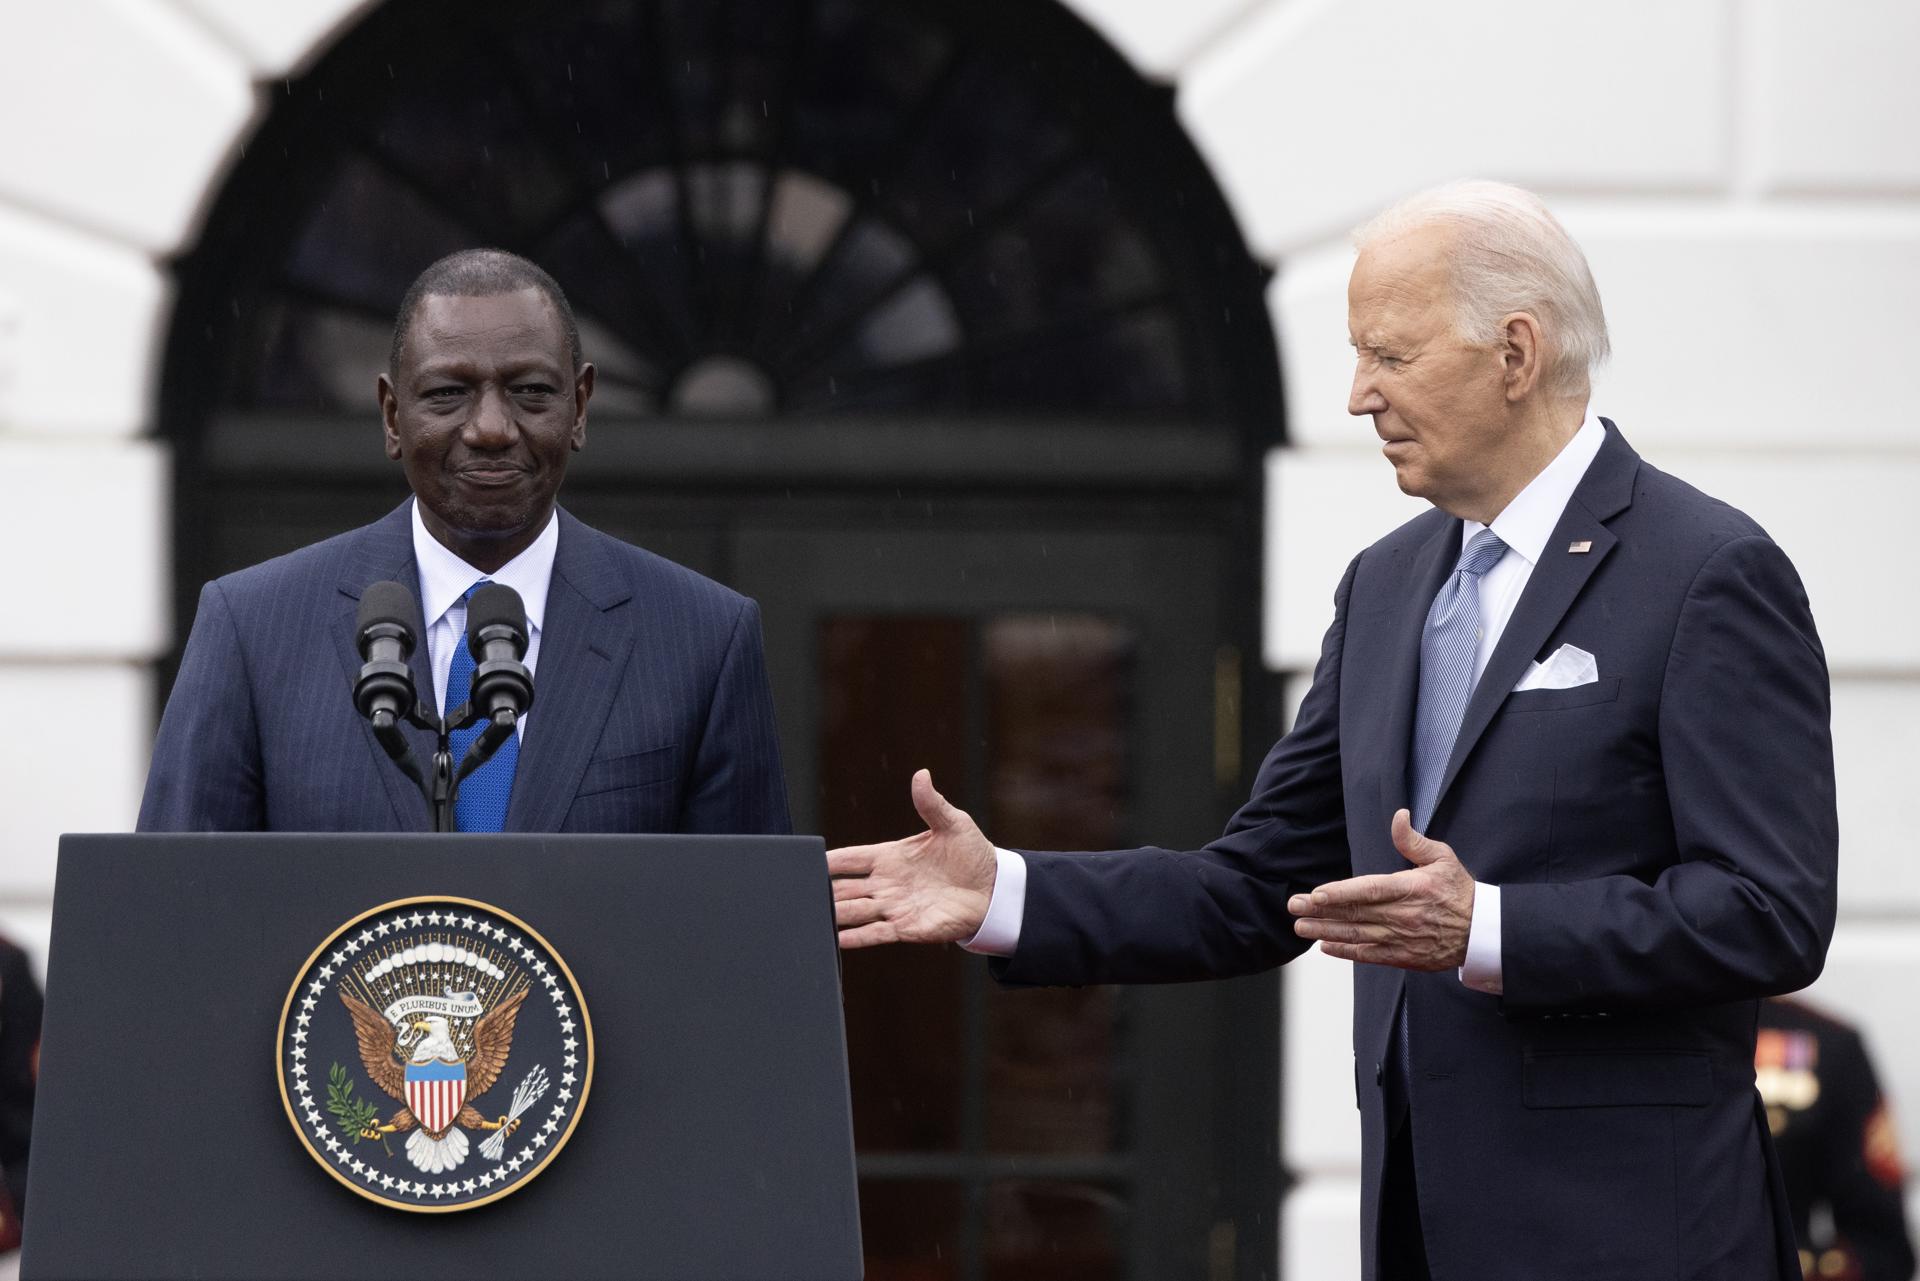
x=444, y=580
x=1524, y=526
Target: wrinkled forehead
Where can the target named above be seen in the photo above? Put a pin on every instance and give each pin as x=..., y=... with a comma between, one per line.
x=1399, y=277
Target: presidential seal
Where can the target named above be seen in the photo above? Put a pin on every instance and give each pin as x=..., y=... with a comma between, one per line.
x=434, y=1054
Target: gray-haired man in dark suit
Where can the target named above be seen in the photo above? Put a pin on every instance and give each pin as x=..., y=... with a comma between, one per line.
x=1562, y=789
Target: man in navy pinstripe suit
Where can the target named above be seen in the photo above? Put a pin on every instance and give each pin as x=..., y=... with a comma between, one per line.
x=652, y=712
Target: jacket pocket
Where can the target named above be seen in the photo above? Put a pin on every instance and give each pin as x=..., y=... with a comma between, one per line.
x=1608, y=1078
x=1604, y=690
x=633, y=769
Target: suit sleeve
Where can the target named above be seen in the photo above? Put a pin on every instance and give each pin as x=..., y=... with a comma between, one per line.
x=206, y=772
x=1155, y=915
x=1747, y=907
x=737, y=784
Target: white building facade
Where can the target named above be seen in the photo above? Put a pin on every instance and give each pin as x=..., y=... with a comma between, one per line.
x=1742, y=173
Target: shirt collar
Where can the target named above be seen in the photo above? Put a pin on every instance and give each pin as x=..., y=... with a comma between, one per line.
x=445, y=578
x=1528, y=521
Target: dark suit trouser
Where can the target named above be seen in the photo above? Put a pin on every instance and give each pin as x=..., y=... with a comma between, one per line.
x=1403, y=1251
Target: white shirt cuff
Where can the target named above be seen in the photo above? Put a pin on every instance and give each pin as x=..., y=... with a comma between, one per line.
x=1482, y=970
x=999, y=933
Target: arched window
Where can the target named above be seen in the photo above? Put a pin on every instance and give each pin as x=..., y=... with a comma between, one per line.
x=760, y=208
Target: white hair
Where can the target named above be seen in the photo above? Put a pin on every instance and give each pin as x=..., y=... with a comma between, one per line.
x=1510, y=254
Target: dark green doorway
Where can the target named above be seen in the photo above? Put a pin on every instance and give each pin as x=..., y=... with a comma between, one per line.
x=1061, y=681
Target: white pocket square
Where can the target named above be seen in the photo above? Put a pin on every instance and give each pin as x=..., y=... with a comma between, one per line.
x=1565, y=668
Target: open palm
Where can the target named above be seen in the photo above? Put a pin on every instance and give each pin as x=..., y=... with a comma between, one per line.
x=930, y=888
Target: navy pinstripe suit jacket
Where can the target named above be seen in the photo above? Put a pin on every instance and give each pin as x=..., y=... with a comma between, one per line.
x=654, y=713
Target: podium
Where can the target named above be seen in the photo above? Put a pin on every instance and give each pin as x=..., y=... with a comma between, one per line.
x=715, y=1140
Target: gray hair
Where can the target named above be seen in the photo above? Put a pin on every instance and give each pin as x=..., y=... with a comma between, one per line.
x=1511, y=254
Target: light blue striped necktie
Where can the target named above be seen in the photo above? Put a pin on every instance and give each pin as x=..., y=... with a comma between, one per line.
x=481, y=805
x=1449, y=650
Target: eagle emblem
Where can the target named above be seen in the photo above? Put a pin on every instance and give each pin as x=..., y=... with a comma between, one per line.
x=410, y=1050
x=460, y=1021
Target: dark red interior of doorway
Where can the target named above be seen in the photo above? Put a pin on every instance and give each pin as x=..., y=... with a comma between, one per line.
x=1023, y=719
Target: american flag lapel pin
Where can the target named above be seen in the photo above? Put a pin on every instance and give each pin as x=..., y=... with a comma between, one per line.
x=1580, y=548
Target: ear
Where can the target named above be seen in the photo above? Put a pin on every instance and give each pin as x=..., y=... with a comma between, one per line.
x=582, y=393
x=1521, y=355
x=389, y=415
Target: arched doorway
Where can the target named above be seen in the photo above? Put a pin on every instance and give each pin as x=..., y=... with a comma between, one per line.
x=922, y=323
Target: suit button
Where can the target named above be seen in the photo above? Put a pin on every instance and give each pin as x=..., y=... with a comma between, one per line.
x=1379, y=1073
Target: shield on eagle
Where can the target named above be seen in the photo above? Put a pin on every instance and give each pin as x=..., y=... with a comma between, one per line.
x=436, y=1091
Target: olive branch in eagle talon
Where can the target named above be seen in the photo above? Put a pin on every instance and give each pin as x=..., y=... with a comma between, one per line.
x=355, y=1117
x=380, y=1054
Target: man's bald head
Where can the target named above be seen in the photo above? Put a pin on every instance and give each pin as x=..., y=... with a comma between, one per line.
x=481, y=273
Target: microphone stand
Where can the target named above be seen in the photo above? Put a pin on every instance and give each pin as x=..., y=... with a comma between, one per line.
x=441, y=787
x=501, y=688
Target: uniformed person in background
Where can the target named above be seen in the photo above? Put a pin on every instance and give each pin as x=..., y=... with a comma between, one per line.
x=1837, y=1145
x=20, y=1006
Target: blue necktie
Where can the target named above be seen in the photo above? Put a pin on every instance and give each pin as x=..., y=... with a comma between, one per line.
x=481, y=805
x=1448, y=652
x=1449, y=649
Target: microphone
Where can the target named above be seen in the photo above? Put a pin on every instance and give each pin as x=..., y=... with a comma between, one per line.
x=497, y=639
x=385, y=632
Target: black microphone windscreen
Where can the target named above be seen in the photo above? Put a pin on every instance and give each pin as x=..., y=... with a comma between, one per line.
x=388, y=602
x=495, y=605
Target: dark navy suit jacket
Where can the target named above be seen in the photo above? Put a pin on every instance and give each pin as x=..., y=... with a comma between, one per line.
x=1665, y=842
x=651, y=708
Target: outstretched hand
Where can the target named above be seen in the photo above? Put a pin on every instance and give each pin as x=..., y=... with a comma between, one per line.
x=1415, y=920
x=930, y=888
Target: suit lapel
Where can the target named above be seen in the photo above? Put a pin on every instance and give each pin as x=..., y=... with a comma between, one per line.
x=384, y=550
x=1556, y=582
x=583, y=649
x=1431, y=567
